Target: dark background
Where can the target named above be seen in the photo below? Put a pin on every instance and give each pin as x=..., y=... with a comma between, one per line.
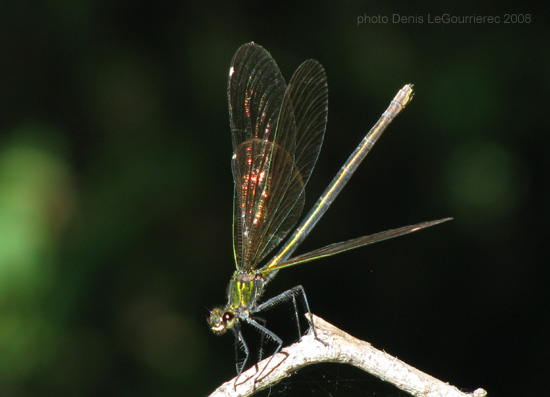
x=116, y=190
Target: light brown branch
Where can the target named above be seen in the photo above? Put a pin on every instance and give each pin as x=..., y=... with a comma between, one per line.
x=335, y=346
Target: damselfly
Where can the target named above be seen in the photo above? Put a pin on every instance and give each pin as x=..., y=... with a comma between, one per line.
x=277, y=133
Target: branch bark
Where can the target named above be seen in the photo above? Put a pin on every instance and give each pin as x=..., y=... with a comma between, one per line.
x=335, y=346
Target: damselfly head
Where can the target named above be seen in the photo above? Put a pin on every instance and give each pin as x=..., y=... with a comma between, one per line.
x=220, y=320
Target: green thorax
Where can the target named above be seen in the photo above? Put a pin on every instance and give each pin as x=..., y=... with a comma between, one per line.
x=244, y=290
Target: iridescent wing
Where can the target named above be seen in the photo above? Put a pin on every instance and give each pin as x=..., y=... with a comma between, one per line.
x=343, y=246
x=277, y=134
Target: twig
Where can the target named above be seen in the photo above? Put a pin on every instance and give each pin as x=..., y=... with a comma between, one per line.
x=335, y=346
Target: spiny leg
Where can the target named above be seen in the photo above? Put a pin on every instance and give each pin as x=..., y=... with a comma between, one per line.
x=286, y=296
x=240, y=343
x=266, y=332
x=263, y=322
x=263, y=330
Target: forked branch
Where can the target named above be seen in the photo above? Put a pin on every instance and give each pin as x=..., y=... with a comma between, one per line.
x=335, y=346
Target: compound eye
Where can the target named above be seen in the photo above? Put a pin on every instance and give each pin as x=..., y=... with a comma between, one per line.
x=228, y=319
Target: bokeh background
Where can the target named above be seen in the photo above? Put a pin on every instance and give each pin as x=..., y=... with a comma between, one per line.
x=116, y=190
